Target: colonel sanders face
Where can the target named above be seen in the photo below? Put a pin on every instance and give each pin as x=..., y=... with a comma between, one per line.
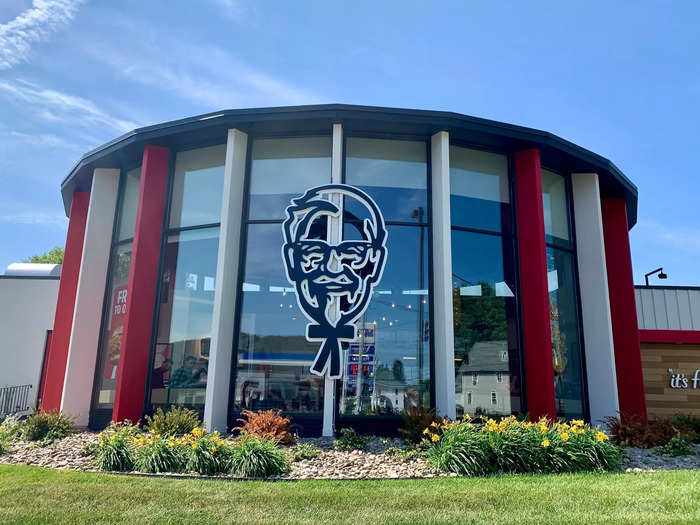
x=321, y=268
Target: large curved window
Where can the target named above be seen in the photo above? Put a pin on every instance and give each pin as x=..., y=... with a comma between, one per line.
x=487, y=356
x=187, y=280
x=567, y=352
x=273, y=356
x=117, y=283
x=388, y=370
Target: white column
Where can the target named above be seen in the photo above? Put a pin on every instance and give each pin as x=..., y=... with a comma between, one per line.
x=443, y=329
x=595, y=303
x=87, y=319
x=226, y=285
x=336, y=178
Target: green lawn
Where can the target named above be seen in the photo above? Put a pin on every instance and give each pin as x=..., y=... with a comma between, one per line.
x=35, y=495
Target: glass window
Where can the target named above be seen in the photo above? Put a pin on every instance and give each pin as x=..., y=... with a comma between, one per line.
x=556, y=211
x=479, y=195
x=393, y=172
x=274, y=356
x=566, y=346
x=286, y=168
x=113, y=325
x=179, y=372
x=197, y=187
x=129, y=204
x=485, y=323
x=394, y=348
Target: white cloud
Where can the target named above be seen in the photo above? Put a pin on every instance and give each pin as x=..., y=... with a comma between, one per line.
x=32, y=26
x=36, y=218
x=44, y=140
x=55, y=106
x=206, y=75
x=656, y=234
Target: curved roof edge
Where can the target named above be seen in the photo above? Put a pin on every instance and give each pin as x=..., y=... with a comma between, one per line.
x=410, y=121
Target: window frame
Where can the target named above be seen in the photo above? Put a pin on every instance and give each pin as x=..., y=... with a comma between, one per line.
x=577, y=289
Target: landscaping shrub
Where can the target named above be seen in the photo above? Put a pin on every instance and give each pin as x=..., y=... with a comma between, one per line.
x=690, y=422
x=512, y=446
x=12, y=426
x=255, y=457
x=47, y=426
x=268, y=424
x=413, y=451
x=350, y=440
x=415, y=421
x=5, y=440
x=177, y=421
x=302, y=451
x=628, y=431
x=156, y=453
x=677, y=446
x=115, y=447
x=206, y=453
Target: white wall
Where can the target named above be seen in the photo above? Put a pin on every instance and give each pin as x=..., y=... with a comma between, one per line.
x=27, y=308
x=85, y=334
x=595, y=301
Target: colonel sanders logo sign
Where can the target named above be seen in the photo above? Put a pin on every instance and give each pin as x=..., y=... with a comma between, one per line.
x=333, y=278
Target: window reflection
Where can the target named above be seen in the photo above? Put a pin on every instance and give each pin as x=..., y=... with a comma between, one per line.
x=113, y=326
x=566, y=346
x=555, y=205
x=479, y=192
x=274, y=356
x=129, y=204
x=487, y=366
x=197, y=187
x=180, y=367
x=286, y=168
x=387, y=370
x=392, y=172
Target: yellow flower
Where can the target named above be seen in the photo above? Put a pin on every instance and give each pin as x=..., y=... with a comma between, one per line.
x=434, y=424
x=213, y=449
x=426, y=431
x=545, y=443
x=601, y=436
x=578, y=422
x=194, y=445
x=435, y=437
x=565, y=436
x=467, y=417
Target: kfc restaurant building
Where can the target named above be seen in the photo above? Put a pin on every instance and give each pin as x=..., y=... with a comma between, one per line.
x=345, y=264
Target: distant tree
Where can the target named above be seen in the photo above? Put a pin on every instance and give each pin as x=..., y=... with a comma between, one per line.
x=54, y=256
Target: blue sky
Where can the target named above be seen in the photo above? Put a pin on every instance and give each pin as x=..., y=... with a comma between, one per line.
x=620, y=78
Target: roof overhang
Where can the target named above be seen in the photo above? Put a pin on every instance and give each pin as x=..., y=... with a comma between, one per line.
x=556, y=153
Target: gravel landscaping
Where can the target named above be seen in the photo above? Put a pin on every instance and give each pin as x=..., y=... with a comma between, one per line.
x=70, y=453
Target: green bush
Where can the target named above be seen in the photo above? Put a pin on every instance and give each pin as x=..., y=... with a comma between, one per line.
x=302, y=451
x=413, y=451
x=206, y=454
x=12, y=426
x=512, y=446
x=255, y=457
x=690, y=422
x=47, y=426
x=114, y=450
x=677, y=446
x=5, y=440
x=155, y=453
x=350, y=440
x=177, y=421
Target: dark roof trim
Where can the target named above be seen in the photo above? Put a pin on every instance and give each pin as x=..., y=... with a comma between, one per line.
x=426, y=120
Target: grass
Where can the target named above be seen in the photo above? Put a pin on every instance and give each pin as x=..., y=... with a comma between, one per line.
x=36, y=495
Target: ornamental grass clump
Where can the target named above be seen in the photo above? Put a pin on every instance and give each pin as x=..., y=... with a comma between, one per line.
x=255, y=457
x=177, y=421
x=511, y=446
x=114, y=450
x=155, y=453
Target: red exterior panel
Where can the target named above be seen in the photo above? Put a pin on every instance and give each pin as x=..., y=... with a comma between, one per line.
x=55, y=370
x=534, y=291
x=136, y=339
x=680, y=337
x=628, y=358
